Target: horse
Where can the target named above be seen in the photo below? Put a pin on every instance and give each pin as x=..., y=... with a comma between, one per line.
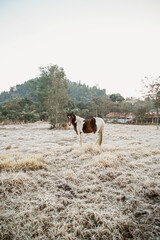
x=81, y=125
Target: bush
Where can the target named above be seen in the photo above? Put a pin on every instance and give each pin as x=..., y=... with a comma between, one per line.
x=2, y=118
x=30, y=117
x=13, y=115
x=43, y=116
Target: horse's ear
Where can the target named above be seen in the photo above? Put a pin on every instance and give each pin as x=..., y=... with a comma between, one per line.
x=72, y=113
x=67, y=114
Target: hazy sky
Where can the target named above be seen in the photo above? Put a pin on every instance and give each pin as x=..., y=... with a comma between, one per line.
x=109, y=43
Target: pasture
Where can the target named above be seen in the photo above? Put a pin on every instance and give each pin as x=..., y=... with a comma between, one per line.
x=50, y=188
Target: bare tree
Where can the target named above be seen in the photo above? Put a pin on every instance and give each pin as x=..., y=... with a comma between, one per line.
x=152, y=90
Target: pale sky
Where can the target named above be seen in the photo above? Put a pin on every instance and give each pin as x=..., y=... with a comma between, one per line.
x=110, y=43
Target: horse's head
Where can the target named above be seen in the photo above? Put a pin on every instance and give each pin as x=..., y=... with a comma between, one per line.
x=71, y=118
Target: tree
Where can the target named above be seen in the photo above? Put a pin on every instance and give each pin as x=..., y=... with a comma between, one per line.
x=54, y=95
x=4, y=96
x=101, y=106
x=126, y=107
x=140, y=108
x=116, y=97
x=83, y=93
x=152, y=91
x=23, y=102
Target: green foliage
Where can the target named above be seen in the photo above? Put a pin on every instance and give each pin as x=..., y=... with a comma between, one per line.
x=43, y=116
x=18, y=110
x=25, y=102
x=2, y=117
x=116, y=97
x=83, y=93
x=20, y=91
x=30, y=117
x=52, y=93
x=4, y=96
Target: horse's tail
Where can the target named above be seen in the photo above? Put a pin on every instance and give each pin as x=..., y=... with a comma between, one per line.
x=100, y=134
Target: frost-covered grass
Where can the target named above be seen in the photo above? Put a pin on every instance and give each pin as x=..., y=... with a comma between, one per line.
x=16, y=162
x=50, y=188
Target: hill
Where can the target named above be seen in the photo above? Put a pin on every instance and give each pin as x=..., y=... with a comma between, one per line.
x=83, y=93
x=78, y=92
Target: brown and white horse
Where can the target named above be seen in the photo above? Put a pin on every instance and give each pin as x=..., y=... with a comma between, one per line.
x=93, y=125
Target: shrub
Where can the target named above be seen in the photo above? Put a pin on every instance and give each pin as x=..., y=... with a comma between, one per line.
x=30, y=117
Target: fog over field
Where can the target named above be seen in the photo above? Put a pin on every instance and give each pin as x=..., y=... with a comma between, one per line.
x=50, y=188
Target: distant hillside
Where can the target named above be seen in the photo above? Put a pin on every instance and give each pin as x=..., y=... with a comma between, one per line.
x=78, y=92
x=20, y=91
x=83, y=93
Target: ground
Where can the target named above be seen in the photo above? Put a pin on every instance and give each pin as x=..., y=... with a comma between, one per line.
x=51, y=188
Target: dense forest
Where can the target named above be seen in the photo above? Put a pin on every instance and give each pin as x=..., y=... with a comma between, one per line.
x=77, y=91
x=52, y=95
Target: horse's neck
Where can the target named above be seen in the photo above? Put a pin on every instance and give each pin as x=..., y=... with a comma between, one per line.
x=79, y=119
x=79, y=123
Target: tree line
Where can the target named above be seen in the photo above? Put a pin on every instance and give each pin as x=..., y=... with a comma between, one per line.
x=51, y=95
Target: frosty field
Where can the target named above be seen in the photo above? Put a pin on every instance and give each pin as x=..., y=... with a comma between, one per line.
x=50, y=188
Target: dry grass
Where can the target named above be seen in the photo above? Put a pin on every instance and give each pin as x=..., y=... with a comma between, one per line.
x=83, y=193
x=19, y=162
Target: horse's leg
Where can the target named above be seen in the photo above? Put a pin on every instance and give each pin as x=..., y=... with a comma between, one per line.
x=101, y=132
x=80, y=139
x=97, y=138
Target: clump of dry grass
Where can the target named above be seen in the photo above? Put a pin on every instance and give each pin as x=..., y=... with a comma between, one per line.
x=150, y=152
x=14, y=183
x=19, y=162
x=93, y=149
x=86, y=151
x=107, y=160
x=8, y=147
x=70, y=175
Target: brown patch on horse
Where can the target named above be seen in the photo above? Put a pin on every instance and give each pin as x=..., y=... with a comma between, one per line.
x=75, y=127
x=90, y=126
